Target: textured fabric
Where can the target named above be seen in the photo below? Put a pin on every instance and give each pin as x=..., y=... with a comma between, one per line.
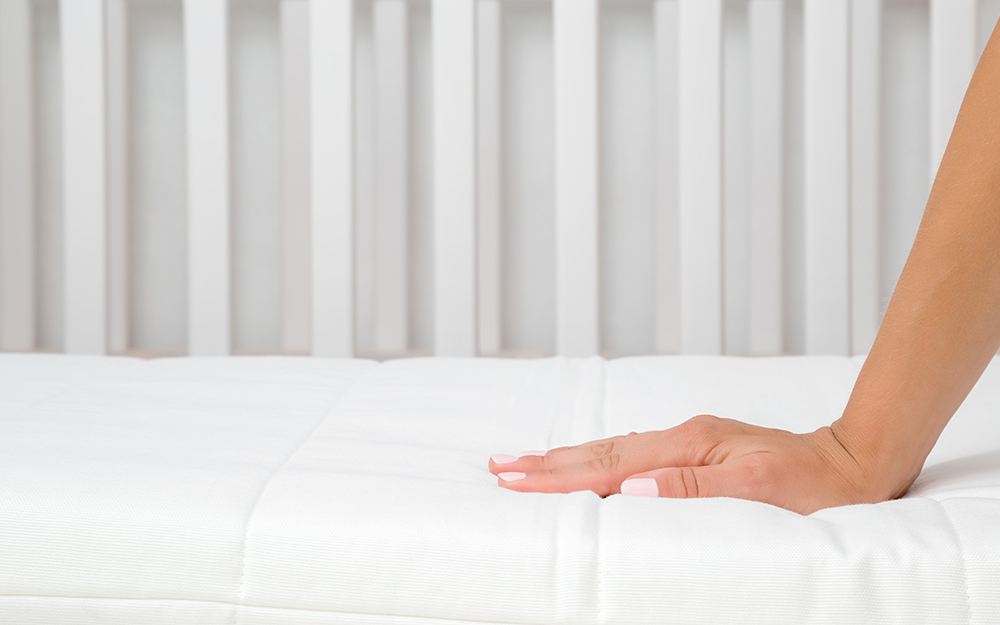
x=292, y=490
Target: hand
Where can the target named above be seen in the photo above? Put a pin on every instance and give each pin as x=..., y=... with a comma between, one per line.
x=706, y=456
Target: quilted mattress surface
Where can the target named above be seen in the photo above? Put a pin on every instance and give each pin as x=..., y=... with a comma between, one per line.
x=305, y=491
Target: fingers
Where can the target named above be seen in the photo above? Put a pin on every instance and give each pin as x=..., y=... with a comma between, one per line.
x=742, y=479
x=684, y=444
x=601, y=473
x=566, y=456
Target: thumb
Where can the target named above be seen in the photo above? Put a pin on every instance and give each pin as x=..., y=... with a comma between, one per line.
x=681, y=482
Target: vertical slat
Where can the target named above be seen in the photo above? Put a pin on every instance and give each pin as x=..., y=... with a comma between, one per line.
x=455, y=316
x=17, y=178
x=85, y=192
x=331, y=78
x=391, y=174
x=700, y=183
x=118, y=217
x=667, y=320
x=866, y=20
x=295, y=174
x=576, y=99
x=206, y=54
x=953, y=59
x=827, y=137
x=766, y=24
x=736, y=222
x=489, y=54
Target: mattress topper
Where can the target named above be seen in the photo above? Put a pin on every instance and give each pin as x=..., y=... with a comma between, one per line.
x=304, y=490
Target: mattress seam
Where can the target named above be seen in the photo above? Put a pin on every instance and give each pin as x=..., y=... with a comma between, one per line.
x=267, y=484
x=257, y=607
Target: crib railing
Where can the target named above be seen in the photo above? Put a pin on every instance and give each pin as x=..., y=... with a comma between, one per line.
x=841, y=103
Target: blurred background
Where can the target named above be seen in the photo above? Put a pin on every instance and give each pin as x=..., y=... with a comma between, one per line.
x=153, y=121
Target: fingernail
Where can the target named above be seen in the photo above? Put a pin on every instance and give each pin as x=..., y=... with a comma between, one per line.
x=531, y=453
x=641, y=487
x=503, y=458
x=511, y=477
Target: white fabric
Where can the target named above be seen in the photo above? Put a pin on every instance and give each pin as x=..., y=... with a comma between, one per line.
x=294, y=490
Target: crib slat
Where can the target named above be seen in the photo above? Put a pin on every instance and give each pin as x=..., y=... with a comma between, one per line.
x=206, y=39
x=295, y=174
x=85, y=193
x=766, y=24
x=577, y=216
x=866, y=16
x=331, y=77
x=700, y=183
x=118, y=221
x=826, y=176
x=953, y=59
x=489, y=54
x=390, y=19
x=17, y=178
x=667, y=315
x=455, y=316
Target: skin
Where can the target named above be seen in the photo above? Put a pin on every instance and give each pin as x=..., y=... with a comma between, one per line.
x=938, y=334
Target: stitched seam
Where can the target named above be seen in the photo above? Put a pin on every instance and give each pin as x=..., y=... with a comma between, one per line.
x=263, y=490
x=962, y=561
x=430, y=619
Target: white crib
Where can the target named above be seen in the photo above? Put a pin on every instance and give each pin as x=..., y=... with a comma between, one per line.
x=780, y=174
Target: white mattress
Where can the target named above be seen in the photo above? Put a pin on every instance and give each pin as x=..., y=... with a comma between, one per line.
x=294, y=491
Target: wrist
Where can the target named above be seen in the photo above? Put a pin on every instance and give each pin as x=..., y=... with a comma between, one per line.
x=887, y=463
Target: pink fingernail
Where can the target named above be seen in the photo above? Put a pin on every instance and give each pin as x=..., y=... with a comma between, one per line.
x=503, y=458
x=531, y=453
x=511, y=477
x=641, y=487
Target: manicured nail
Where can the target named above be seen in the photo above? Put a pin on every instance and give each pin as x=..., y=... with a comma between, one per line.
x=531, y=453
x=641, y=487
x=503, y=458
x=511, y=477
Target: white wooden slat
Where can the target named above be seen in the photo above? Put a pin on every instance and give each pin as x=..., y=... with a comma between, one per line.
x=736, y=221
x=454, y=59
x=577, y=177
x=766, y=25
x=390, y=23
x=827, y=139
x=866, y=20
x=17, y=178
x=953, y=59
x=206, y=54
x=118, y=176
x=667, y=49
x=700, y=181
x=489, y=68
x=85, y=192
x=295, y=175
x=331, y=79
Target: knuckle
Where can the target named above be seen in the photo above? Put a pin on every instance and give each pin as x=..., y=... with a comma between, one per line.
x=689, y=480
x=706, y=419
x=673, y=485
x=699, y=424
x=606, y=448
x=607, y=464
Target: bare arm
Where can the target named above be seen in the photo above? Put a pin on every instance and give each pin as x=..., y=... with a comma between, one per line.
x=942, y=325
x=938, y=334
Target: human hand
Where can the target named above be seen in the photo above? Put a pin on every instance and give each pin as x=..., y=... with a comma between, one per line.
x=706, y=456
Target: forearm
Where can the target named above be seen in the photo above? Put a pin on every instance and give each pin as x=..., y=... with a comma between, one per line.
x=942, y=325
